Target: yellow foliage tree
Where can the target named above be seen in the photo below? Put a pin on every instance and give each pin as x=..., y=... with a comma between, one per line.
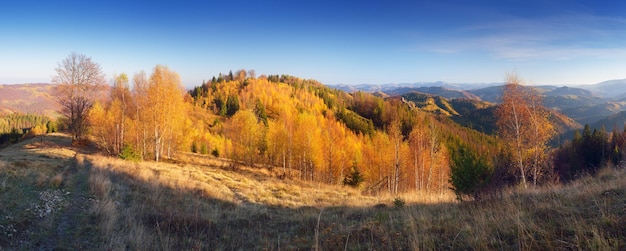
x=247, y=133
x=163, y=107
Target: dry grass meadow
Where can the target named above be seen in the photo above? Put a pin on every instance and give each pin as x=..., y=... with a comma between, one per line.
x=55, y=196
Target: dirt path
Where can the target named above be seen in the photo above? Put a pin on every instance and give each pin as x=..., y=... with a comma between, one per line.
x=70, y=226
x=45, y=197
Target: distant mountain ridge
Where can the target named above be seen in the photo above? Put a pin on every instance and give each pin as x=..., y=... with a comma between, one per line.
x=585, y=103
x=473, y=113
x=434, y=90
x=394, y=86
x=566, y=90
x=608, y=89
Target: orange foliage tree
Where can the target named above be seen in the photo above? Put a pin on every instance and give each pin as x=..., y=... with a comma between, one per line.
x=524, y=125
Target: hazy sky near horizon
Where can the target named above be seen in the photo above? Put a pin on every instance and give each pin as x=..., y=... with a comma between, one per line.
x=563, y=42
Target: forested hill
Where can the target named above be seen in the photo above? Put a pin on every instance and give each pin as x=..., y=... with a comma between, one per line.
x=475, y=114
x=323, y=134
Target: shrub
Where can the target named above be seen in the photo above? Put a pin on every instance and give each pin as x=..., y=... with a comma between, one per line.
x=469, y=173
x=354, y=179
x=194, y=147
x=128, y=153
x=398, y=202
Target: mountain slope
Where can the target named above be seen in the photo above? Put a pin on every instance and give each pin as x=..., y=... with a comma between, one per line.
x=430, y=103
x=614, y=122
x=594, y=112
x=438, y=91
x=475, y=114
x=28, y=98
x=609, y=89
x=568, y=91
x=580, y=103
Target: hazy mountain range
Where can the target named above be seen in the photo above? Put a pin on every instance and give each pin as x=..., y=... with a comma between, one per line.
x=607, y=89
x=595, y=104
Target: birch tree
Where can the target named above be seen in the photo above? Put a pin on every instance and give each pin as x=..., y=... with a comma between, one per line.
x=524, y=125
x=165, y=99
x=120, y=95
x=395, y=135
x=247, y=134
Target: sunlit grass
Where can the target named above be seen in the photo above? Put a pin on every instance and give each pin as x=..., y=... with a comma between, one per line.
x=196, y=203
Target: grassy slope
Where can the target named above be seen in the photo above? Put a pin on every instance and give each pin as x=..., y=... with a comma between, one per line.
x=96, y=202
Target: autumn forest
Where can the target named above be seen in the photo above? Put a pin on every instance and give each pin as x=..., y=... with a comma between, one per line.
x=308, y=131
x=255, y=161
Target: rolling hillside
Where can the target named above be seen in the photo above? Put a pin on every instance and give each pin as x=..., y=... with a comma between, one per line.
x=594, y=113
x=586, y=104
x=614, y=122
x=28, y=98
x=430, y=103
x=436, y=91
x=475, y=114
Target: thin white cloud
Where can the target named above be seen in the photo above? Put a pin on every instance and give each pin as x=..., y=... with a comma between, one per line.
x=555, y=38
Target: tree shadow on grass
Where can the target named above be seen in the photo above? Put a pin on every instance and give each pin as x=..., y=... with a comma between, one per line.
x=117, y=207
x=179, y=218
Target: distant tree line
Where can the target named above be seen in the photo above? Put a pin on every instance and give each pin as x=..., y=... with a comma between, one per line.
x=14, y=127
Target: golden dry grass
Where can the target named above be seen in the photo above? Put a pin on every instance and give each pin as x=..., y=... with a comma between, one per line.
x=202, y=203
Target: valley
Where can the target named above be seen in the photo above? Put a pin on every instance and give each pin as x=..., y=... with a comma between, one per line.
x=597, y=105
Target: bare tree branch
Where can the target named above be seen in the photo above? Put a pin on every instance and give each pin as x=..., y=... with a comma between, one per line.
x=78, y=81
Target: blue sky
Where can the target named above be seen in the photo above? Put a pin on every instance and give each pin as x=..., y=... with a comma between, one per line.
x=563, y=42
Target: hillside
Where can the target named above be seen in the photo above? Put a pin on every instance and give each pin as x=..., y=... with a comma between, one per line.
x=594, y=113
x=58, y=196
x=584, y=106
x=587, y=104
x=568, y=91
x=28, y=98
x=430, y=103
x=609, y=89
x=614, y=122
x=475, y=114
x=436, y=91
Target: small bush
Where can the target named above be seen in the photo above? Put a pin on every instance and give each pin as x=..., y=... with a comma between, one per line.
x=203, y=149
x=128, y=153
x=354, y=179
x=398, y=202
x=194, y=147
x=469, y=173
